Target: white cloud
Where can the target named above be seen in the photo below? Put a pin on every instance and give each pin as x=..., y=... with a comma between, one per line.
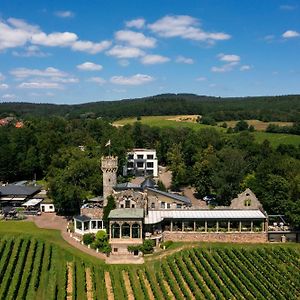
x=65, y=80
x=48, y=72
x=55, y=39
x=231, y=60
x=225, y=68
x=201, y=78
x=154, y=59
x=137, y=79
x=185, y=27
x=288, y=7
x=16, y=32
x=3, y=86
x=97, y=80
x=8, y=97
x=229, y=57
x=64, y=14
x=245, y=68
x=269, y=37
x=31, y=51
x=123, y=62
x=40, y=85
x=290, y=34
x=90, y=47
x=135, y=39
x=137, y=23
x=184, y=60
x=89, y=66
x=125, y=52
x=2, y=77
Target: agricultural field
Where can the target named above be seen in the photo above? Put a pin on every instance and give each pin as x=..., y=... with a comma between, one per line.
x=179, y=122
x=38, y=266
x=257, y=124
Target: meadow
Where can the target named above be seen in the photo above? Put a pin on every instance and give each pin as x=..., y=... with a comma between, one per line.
x=38, y=264
x=260, y=135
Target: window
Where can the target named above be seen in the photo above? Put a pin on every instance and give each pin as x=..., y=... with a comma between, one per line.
x=150, y=156
x=115, y=231
x=86, y=225
x=149, y=164
x=168, y=205
x=115, y=249
x=136, y=232
x=50, y=206
x=247, y=202
x=140, y=164
x=179, y=206
x=130, y=156
x=94, y=224
x=78, y=225
x=130, y=164
x=162, y=204
x=132, y=206
x=122, y=205
x=100, y=224
x=152, y=205
x=126, y=231
x=127, y=203
x=140, y=156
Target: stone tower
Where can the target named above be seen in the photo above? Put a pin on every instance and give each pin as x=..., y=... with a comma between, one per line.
x=109, y=167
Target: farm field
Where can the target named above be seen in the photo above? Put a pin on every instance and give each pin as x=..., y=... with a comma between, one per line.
x=35, y=266
x=169, y=121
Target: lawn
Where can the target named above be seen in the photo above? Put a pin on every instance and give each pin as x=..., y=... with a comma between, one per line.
x=166, y=121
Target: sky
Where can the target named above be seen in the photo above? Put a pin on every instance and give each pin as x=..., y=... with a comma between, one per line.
x=66, y=51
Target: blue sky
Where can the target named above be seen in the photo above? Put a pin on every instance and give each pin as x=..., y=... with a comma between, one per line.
x=81, y=51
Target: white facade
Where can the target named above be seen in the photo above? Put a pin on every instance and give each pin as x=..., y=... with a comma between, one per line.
x=82, y=226
x=47, y=207
x=141, y=162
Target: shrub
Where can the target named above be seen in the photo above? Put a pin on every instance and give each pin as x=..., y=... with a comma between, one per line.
x=88, y=238
x=147, y=246
x=166, y=244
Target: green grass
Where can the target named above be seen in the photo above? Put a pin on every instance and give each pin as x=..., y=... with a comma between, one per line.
x=162, y=121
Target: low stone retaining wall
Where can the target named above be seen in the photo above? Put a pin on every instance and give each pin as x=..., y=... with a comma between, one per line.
x=226, y=237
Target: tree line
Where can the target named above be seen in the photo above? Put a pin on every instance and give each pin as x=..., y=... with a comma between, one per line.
x=212, y=162
x=272, y=108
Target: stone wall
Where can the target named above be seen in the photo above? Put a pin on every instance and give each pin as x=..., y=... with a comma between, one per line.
x=226, y=237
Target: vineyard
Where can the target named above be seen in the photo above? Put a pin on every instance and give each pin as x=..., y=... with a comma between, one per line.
x=31, y=268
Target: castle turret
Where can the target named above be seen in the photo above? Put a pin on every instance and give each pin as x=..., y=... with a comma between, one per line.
x=109, y=167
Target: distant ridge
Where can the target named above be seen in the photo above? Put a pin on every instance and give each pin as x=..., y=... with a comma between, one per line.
x=282, y=108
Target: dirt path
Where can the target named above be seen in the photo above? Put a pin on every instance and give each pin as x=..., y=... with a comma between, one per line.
x=70, y=281
x=89, y=284
x=147, y=284
x=109, y=289
x=128, y=286
x=52, y=221
x=196, y=203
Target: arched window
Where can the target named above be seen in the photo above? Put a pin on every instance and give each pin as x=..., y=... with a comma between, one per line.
x=125, y=230
x=136, y=231
x=115, y=231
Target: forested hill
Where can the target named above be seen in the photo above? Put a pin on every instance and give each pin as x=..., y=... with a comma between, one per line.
x=273, y=108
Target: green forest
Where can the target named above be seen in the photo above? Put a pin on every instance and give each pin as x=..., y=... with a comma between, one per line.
x=214, y=163
x=273, y=108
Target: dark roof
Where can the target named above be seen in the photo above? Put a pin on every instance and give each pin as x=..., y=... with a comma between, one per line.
x=18, y=190
x=148, y=183
x=82, y=218
x=126, y=186
x=173, y=196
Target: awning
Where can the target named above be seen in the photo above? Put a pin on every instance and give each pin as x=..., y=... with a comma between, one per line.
x=32, y=202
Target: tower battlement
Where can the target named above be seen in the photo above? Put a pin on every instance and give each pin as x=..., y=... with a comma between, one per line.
x=109, y=164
